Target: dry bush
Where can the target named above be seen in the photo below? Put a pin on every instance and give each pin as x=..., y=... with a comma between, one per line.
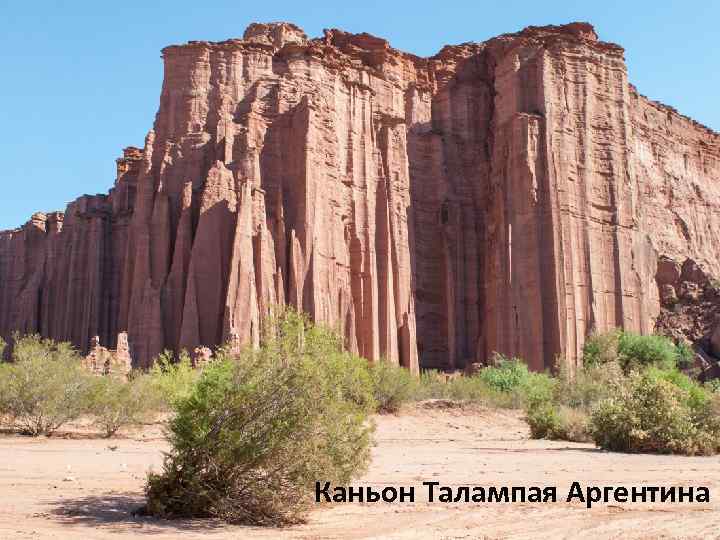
x=563, y=412
x=548, y=420
x=392, y=386
x=657, y=412
x=260, y=428
x=117, y=403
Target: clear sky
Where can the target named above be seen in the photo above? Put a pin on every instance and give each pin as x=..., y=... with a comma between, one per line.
x=80, y=80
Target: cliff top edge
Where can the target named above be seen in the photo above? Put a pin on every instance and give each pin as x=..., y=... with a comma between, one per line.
x=275, y=35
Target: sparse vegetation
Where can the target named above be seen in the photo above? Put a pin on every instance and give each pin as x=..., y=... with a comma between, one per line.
x=117, y=403
x=563, y=412
x=392, y=386
x=507, y=384
x=261, y=427
x=44, y=387
x=630, y=396
x=636, y=352
x=173, y=379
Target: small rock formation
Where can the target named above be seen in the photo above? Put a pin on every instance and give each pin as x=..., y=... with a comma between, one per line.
x=201, y=357
x=508, y=196
x=689, y=301
x=102, y=361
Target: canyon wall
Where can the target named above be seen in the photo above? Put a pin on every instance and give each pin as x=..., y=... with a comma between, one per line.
x=509, y=196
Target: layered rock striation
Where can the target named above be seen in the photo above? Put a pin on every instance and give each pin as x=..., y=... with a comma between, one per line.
x=507, y=196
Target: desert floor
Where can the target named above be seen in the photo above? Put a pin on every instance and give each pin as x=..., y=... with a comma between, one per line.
x=77, y=487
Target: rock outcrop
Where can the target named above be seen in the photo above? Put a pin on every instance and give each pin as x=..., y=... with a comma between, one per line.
x=506, y=196
x=690, y=311
x=102, y=361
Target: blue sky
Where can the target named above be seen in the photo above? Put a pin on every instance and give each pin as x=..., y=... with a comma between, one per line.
x=81, y=80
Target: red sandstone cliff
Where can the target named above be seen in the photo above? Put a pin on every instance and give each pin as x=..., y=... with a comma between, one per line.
x=505, y=196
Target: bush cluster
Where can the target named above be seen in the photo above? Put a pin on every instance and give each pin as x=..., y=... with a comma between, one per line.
x=563, y=412
x=505, y=374
x=635, y=352
x=631, y=396
x=44, y=387
x=116, y=403
x=506, y=384
x=660, y=412
x=558, y=422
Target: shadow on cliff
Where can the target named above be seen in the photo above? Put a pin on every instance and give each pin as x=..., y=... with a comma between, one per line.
x=450, y=159
x=123, y=511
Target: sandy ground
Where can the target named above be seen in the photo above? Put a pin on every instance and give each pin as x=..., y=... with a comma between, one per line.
x=88, y=488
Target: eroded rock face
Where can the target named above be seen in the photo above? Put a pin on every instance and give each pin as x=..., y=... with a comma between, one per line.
x=504, y=196
x=690, y=311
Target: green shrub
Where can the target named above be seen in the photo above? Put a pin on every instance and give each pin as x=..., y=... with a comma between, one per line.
x=5, y=392
x=543, y=418
x=173, y=379
x=537, y=387
x=707, y=416
x=392, y=386
x=117, y=403
x=650, y=412
x=473, y=388
x=561, y=410
x=506, y=374
x=44, y=387
x=261, y=427
x=3, y=345
x=511, y=384
x=348, y=375
x=574, y=425
x=686, y=356
x=587, y=386
x=435, y=385
x=637, y=352
x=697, y=396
